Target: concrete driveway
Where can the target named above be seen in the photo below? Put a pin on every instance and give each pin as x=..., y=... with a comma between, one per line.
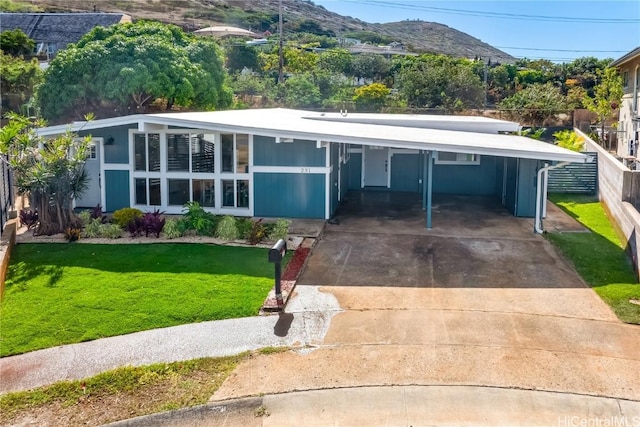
x=479, y=300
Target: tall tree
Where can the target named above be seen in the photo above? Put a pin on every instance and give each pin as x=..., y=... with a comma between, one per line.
x=18, y=77
x=608, y=95
x=50, y=172
x=535, y=104
x=129, y=66
x=16, y=43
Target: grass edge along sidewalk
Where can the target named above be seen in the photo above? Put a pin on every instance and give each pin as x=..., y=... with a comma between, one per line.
x=67, y=293
x=599, y=256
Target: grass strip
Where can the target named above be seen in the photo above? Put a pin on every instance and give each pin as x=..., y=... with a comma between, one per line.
x=599, y=257
x=121, y=393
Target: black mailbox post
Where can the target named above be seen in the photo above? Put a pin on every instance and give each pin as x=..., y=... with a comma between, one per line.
x=276, y=254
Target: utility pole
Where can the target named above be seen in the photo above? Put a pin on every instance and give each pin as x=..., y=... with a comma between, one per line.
x=486, y=88
x=281, y=43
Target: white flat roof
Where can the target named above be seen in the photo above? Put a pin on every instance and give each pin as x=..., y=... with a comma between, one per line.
x=419, y=132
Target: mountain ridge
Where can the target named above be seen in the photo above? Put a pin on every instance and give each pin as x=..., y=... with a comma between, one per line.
x=419, y=36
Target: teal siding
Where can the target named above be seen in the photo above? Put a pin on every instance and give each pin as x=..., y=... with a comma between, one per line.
x=117, y=190
x=299, y=153
x=512, y=185
x=527, y=175
x=118, y=151
x=405, y=172
x=289, y=195
x=469, y=180
x=333, y=180
x=499, y=177
x=355, y=171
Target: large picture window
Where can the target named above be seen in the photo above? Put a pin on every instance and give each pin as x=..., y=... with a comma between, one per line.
x=147, y=191
x=178, y=191
x=202, y=153
x=235, y=153
x=235, y=193
x=204, y=192
x=178, y=152
x=147, y=146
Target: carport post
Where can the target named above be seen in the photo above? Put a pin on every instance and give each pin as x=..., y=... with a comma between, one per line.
x=424, y=180
x=429, y=187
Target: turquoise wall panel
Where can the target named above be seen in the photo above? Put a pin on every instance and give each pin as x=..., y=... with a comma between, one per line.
x=405, y=172
x=527, y=175
x=299, y=153
x=470, y=180
x=289, y=195
x=512, y=185
x=355, y=171
x=333, y=180
x=118, y=151
x=116, y=190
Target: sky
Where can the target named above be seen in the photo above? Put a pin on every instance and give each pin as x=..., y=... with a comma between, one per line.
x=560, y=31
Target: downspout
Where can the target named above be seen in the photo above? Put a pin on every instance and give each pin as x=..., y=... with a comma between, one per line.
x=540, y=186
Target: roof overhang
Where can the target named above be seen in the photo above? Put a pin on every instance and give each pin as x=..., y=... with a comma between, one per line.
x=634, y=54
x=387, y=131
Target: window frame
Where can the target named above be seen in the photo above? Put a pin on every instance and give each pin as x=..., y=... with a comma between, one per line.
x=459, y=161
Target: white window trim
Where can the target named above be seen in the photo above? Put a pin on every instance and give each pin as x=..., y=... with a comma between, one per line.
x=165, y=175
x=457, y=162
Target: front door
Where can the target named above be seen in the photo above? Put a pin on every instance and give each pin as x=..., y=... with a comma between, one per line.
x=91, y=196
x=376, y=166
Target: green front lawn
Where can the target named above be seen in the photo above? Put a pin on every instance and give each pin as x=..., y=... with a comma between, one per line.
x=67, y=293
x=599, y=257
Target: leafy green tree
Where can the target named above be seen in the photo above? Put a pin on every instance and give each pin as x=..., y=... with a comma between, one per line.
x=16, y=43
x=436, y=81
x=371, y=97
x=535, y=104
x=371, y=66
x=569, y=139
x=129, y=66
x=17, y=81
x=336, y=61
x=300, y=91
x=240, y=56
x=299, y=60
x=608, y=95
x=249, y=86
x=50, y=172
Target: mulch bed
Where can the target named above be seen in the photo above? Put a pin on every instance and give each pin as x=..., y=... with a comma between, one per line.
x=288, y=279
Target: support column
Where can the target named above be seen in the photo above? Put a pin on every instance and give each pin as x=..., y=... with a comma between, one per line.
x=429, y=187
x=424, y=180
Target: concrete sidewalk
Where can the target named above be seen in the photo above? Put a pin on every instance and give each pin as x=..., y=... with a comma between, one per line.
x=405, y=406
x=207, y=339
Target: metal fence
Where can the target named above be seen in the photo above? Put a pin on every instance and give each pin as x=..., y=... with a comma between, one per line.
x=6, y=193
x=575, y=178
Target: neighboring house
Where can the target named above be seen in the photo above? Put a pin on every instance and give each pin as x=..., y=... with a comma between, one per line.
x=300, y=164
x=54, y=31
x=629, y=117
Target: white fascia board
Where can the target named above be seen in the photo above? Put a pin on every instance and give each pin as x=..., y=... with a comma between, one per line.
x=89, y=125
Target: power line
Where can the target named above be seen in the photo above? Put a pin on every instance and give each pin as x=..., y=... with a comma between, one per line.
x=498, y=15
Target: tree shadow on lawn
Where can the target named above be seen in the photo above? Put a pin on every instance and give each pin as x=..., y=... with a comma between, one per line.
x=31, y=260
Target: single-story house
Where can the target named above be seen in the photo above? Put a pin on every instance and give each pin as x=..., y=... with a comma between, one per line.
x=629, y=117
x=300, y=164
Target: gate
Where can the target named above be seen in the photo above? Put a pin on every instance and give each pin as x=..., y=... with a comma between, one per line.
x=575, y=178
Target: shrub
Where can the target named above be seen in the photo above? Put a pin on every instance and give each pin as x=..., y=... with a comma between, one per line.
x=28, y=218
x=257, y=232
x=196, y=218
x=124, y=216
x=244, y=226
x=85, y=218
x=96, y=213
x=280, y=229
x=136, y=227
x=569, y=139
x=173, y=228
x=110, y=231
x=227, y=229
x=72, y=234
x=92, y=229
x=153, y=222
